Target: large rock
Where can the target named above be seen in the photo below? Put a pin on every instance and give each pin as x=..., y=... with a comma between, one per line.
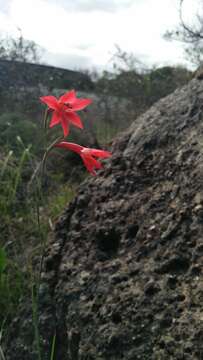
x=123, y=272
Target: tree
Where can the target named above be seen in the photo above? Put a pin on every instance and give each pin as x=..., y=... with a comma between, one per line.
x=130, y=89
x=124, y=61
x=19, y=49
x=190, y=34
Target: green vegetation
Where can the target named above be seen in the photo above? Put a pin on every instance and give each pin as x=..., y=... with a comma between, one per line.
x=16, y=129
x=12, y=287
x=22, y=205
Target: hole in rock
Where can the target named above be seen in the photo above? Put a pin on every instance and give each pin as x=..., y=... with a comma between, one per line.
x=108, y=240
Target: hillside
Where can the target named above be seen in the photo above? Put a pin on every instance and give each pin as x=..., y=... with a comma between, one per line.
x=25, y=75
x=123, y=269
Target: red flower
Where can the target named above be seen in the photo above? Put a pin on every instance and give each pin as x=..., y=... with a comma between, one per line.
x=64, y=110
x=88, y=155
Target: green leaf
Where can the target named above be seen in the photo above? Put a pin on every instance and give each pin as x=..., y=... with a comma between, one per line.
x=3, y=260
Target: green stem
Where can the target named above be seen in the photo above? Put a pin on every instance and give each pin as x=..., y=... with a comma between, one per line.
x=38, y=212
x=50, y=147
x=53, y=347
x=46, y=114
x=35, y=293
x=35, y=320
x=2, y=357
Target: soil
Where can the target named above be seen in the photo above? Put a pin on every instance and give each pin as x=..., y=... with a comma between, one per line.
x=123, y=274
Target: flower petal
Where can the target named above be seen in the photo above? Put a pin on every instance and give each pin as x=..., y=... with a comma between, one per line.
x=50, y=101
x=56, y=119
x=91, y=163
x=65, y=126
x=100, y=153
x=86, y=154
x=74, y=119
x=70, y=146
x=80, y=104
x=68, y=97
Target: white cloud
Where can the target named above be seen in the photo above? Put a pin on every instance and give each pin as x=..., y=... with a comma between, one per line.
x=88, y=33
x=92, y=5
x=68, y=61
x=4, y=6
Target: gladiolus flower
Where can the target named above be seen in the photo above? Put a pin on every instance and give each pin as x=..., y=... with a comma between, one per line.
x=64, y=110
x=88, y=155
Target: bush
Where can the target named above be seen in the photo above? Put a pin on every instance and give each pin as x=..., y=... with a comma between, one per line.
x=15, y=126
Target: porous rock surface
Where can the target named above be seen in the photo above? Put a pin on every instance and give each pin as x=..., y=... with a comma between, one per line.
x=123, y=272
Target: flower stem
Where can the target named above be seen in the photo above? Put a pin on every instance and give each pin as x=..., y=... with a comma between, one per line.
x=50, y=147
x=46, y=114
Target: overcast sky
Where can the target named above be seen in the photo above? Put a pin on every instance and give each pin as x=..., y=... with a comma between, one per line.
x=83, y=33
